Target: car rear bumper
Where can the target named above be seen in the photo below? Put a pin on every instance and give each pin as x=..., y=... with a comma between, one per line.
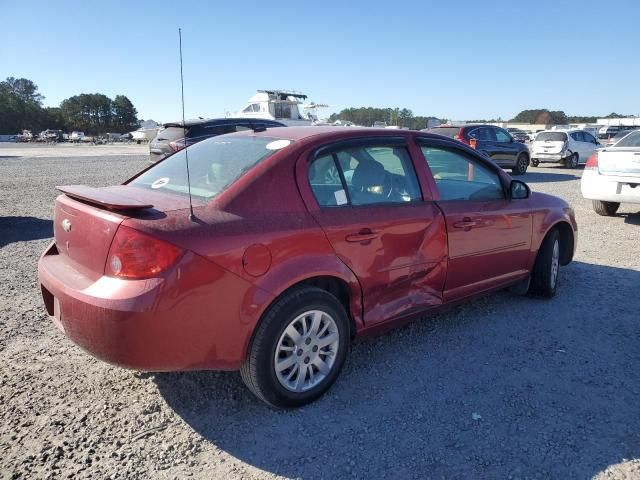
x=190, y=319
x=547, y=157
x=610, y=188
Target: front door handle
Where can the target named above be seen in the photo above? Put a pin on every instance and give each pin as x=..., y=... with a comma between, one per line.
x=466, y=224
x=364, y=235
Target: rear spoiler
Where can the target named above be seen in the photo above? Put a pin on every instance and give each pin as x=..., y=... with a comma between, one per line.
x=103, y=197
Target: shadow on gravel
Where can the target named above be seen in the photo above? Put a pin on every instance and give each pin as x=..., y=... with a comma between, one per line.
x=631, y=218
x=537, y=176
x=22, y=229
x=502, y=387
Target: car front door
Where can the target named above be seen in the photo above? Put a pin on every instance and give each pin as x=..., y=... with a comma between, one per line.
x=489, y=235
x=366, y=197
x=508, y=148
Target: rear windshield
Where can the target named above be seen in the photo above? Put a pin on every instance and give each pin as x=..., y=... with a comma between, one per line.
x=214, y=164
x=551, y=136
x=450, y=132
x=631, y=140
x=171, y=134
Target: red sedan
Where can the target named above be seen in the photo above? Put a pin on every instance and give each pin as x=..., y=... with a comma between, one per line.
x=301, y=240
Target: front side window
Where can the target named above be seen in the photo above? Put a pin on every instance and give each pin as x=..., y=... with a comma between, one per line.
x=214, y=164
x=502, y=136
x=459, y=177
x=364, y=176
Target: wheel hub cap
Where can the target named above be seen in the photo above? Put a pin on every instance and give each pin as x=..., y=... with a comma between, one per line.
x=555, y=263
x=306, y=351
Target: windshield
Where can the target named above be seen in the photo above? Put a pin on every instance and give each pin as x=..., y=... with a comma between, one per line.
x=214, y=164
x=631, y=140
x=551, y=137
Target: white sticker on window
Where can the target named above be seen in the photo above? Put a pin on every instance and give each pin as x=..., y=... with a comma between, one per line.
x=341, y=197
x=277, y=144
x=161, y=182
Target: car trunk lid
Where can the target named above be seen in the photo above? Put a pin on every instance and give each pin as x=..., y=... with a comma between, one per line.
x=621, y=162
x=86, y=220
x=548, y=146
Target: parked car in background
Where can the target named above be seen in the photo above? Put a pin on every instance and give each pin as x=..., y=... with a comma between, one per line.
x=494, y=142
x=76, y=136
x=571, y=147
x=283, y=263
x=171, y=138
x=518, y=135
x=612, y=175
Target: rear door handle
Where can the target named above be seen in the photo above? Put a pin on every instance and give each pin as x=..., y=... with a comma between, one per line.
x=466, y=223
x=364, y=235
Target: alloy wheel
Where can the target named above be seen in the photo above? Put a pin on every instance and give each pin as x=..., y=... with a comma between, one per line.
x=306, y=351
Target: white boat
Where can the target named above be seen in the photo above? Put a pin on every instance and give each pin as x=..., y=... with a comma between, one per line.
x=282, y=106
x=144, y=134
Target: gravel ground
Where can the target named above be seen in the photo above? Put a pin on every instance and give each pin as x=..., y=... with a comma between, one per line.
x=504, y=387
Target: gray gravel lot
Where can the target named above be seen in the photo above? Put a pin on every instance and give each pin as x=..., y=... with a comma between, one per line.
x=504, y=387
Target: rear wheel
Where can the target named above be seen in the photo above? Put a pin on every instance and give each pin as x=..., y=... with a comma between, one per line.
x=572, y=161
x=544, y=278
x=535, y=162
x=606, y=209
x=298, y=349
x=522, y=162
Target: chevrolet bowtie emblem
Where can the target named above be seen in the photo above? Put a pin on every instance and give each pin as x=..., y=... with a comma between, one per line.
x=66, y=225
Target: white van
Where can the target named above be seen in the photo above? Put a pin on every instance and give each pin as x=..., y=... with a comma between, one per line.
x=570, y=147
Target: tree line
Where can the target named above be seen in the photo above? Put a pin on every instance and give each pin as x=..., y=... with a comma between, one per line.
x=93, y=113
x=367, y=116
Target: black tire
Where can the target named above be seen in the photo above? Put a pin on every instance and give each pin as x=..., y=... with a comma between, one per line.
x=522, y=163
x=572, y=161
x=542, y=281
x=606, y=209
x=535, y=162
x=259, y=373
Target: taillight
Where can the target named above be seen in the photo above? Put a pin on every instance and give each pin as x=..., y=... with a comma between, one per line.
x=177, y=145
x=136, y=255
x=460, y=137
x=592, y=163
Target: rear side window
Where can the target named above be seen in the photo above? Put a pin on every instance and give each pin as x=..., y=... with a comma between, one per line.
x=459, y=177
x=482, y=134
x=364, y=176
x=214, y=164
x=551, y=137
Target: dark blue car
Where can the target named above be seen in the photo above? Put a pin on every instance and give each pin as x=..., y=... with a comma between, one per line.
x=494, y=142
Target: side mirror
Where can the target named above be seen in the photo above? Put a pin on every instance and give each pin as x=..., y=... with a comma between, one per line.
x=519, y=190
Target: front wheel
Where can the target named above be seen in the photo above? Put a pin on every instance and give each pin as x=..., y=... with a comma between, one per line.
x=522, y=162
x=298, y=349
x=535, y=162
x=544, y=278
x=606, y=209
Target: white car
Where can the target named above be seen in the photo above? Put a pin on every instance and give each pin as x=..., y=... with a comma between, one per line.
x=570, y=147
x=612, y=175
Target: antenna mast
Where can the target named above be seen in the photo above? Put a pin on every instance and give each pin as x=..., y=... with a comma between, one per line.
x=184, y=130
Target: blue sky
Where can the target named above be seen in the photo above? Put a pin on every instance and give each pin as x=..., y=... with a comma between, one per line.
x=455, y=59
